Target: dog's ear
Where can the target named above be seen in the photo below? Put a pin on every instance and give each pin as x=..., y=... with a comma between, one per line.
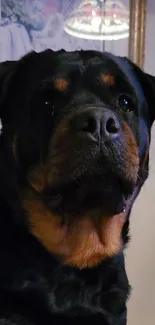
x=149, y=91
x=147, y=83
x=7, y=71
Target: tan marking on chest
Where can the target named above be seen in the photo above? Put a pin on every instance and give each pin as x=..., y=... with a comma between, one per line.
x=83, y=242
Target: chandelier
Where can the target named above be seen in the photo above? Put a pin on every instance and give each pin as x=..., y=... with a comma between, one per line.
x=98, y=20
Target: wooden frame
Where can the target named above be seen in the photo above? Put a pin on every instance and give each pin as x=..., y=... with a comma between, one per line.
x=137, y=31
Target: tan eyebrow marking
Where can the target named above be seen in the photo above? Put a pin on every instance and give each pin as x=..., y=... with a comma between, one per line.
x=108, y=79
x=61, y=84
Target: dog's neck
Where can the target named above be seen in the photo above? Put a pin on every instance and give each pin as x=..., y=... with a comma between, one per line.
x=85, y=292
x=69, y=291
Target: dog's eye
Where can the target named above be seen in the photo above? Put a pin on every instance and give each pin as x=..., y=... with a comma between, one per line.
x=47, y=102
x=125, y=103
x=50, y=107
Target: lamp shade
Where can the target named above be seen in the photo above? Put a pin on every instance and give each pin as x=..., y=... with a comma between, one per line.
x=98, y=20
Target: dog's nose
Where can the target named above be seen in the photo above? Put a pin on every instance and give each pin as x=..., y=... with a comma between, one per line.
x=101, y=123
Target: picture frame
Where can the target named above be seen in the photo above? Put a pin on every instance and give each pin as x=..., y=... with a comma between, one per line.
x=137, y=34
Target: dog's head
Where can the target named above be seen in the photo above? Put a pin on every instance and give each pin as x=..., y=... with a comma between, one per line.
x=75, y=148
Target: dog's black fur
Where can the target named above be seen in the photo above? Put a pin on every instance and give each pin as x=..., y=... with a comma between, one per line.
x=48, y=105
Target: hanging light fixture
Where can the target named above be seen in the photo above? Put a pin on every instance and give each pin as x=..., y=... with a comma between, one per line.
x=98, y=20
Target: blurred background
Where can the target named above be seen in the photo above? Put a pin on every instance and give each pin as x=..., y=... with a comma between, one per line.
x=68, y=24
x=125, y=28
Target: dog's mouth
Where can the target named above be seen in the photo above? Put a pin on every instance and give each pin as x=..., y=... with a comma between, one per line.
x=96, y=191
x=83, y=211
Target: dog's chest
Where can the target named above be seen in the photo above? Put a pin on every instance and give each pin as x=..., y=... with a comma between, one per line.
x=71, y=297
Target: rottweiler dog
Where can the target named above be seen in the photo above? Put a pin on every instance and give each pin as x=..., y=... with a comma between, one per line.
x=74, y=154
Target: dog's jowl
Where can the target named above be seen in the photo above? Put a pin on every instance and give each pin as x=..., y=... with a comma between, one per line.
x=74, y=154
